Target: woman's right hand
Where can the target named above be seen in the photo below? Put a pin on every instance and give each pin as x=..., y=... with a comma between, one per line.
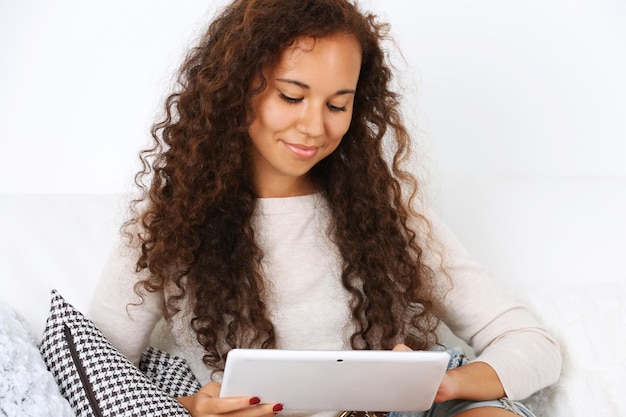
x=207, y=402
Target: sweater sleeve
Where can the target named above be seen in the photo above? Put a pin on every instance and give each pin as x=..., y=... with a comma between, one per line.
x=502, y=331
x=124, y=318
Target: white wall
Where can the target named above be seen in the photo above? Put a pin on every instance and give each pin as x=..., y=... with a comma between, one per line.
x=519, y=109
x=532, y=88
x=81, y=83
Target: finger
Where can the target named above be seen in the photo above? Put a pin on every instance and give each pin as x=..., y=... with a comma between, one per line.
x=210, y=401
x=401, y=347
x=260, y=410
x=264, y=410
x=229, y=405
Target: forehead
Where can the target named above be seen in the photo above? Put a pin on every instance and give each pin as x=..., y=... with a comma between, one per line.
x=334, y=55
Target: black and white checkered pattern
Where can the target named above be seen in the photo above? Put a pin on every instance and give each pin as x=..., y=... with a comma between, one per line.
x=98, y=380
x=170, y=373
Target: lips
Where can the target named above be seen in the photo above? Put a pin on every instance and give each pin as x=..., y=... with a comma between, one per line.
x=301, y=150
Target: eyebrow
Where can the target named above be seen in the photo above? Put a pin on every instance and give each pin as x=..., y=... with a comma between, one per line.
x=307, y=87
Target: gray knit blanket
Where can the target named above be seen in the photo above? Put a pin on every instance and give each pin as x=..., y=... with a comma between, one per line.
x=27, y=389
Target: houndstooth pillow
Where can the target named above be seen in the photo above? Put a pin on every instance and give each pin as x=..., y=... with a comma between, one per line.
x=169, y=373
x=98, y=380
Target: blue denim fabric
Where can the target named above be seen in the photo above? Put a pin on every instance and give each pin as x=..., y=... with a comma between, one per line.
x=451, y=408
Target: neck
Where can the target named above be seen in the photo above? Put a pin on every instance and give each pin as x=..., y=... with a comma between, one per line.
x=293, y=188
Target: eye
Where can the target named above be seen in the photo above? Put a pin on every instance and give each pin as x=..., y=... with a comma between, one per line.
x=290, y=100
x=336, y=108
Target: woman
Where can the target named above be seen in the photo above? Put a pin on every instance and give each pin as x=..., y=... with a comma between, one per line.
x=277, y=194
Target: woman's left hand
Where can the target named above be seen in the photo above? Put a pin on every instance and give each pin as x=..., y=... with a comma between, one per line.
x=447, y=389
x=476, y=381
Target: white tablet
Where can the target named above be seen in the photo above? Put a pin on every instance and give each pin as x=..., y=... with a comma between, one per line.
x=363, y=380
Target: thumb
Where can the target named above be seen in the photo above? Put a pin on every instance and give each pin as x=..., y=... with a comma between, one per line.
x=401, y=347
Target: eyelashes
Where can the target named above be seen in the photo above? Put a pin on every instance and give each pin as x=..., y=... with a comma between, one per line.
x=290, y=100
x=335, y=108
x=293, y=100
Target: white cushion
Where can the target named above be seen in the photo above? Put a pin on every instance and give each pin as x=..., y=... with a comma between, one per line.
x=589, y=321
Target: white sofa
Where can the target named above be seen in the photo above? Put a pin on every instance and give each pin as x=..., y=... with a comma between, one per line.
x=559, y=243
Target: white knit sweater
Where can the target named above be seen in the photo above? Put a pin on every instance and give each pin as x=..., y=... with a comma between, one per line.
x=309, y=307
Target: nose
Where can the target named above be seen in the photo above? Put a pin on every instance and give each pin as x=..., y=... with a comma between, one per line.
x=311, y=121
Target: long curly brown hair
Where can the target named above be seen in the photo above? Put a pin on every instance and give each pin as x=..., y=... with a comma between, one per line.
x=195, y=226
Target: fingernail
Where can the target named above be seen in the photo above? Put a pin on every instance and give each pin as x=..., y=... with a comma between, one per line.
x=277, y=407
x=254, y=400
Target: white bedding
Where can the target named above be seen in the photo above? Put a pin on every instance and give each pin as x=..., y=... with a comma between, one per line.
x=27, y=389
x=590, y=323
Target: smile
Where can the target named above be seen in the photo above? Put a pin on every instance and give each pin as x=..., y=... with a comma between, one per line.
x=301, y=150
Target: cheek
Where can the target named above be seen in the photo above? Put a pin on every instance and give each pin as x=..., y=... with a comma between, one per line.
x=273, y=117
x=340, y=127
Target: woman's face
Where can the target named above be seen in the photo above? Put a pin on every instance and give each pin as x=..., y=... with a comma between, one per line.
x=303, y=113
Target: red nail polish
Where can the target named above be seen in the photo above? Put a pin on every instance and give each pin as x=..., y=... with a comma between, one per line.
x=277, y=407
x=254, y=400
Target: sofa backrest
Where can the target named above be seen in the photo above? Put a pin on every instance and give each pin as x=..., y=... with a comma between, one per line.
x=533, y=232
